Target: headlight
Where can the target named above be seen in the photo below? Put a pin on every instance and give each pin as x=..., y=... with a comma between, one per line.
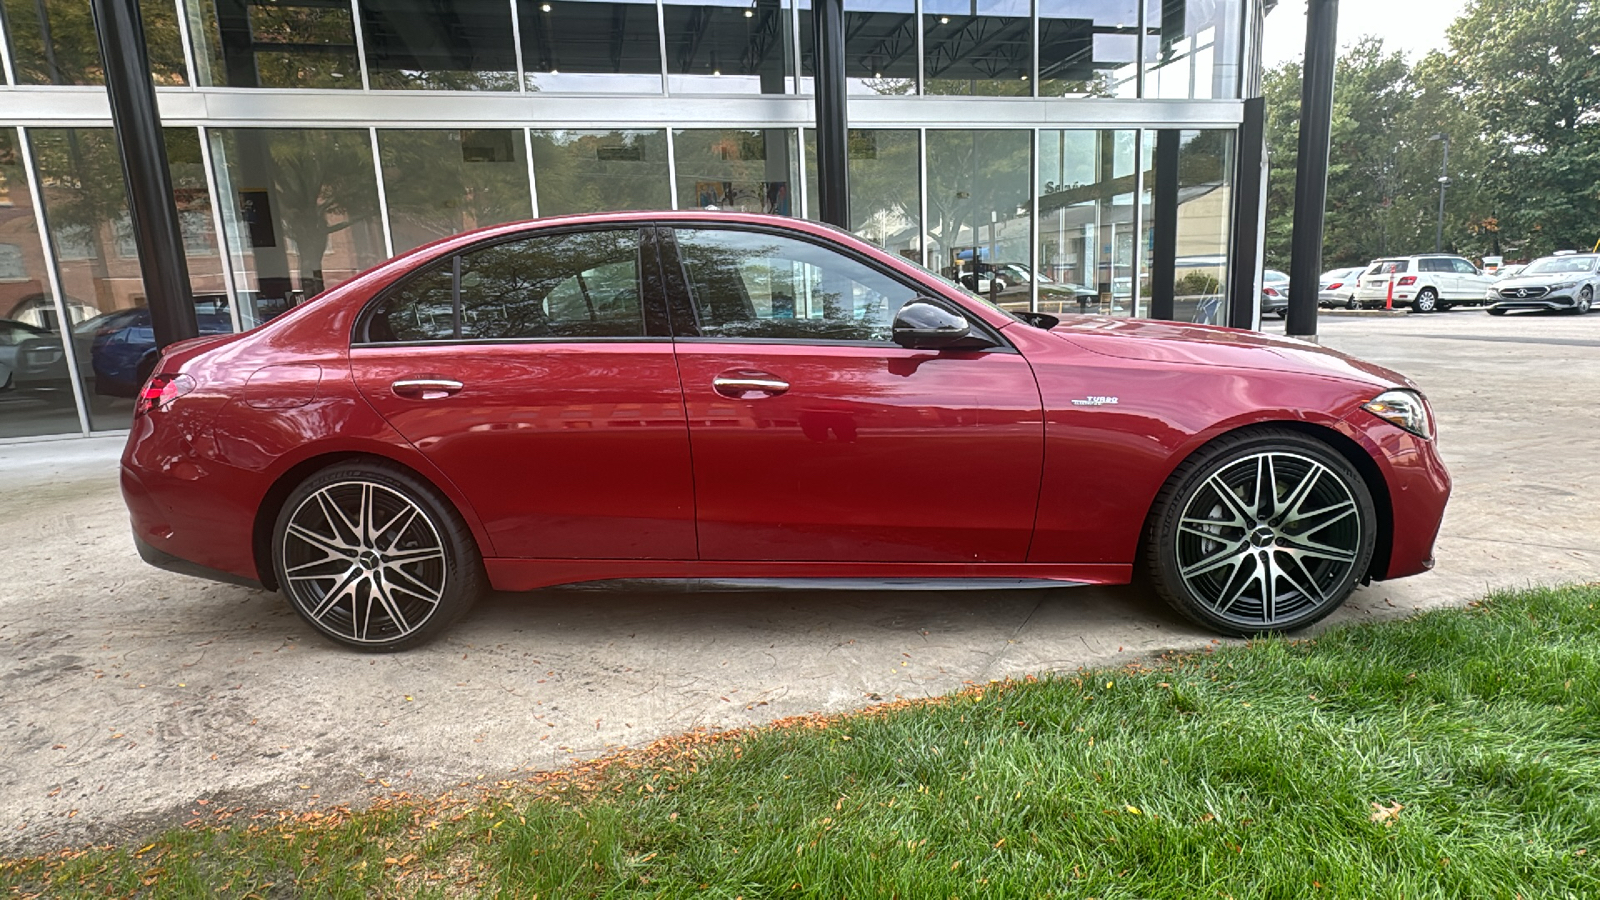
x=1405, y=409
x=1563, y=286
x=1492, y=295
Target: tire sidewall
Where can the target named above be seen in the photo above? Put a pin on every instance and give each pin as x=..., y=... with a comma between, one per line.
x=465, y=579
x=1430, y=305
x=1180, y=489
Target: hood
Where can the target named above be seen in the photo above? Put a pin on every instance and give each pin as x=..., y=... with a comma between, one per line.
x=1533, y=281
x=1210, y=345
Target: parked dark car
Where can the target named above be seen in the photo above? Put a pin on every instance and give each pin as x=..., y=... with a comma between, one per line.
x=122, y=345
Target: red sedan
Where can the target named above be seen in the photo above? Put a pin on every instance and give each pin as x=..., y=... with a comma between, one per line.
x=706, y=395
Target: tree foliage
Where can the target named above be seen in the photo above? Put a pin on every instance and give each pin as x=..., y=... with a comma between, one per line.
x=1517, y=96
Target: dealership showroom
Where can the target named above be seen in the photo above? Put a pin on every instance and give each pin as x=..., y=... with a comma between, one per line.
x=1093, y=142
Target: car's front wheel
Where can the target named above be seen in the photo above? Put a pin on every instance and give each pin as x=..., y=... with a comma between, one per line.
x=1264, y=531
x=374, y=558
x=1585, y=300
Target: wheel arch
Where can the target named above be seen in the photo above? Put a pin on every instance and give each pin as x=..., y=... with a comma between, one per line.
x=272, y=503
x=1346, y=447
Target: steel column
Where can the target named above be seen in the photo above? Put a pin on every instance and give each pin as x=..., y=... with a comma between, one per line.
x=1311, y=175
x=1163, y=266
x=144, y=167
x=833, y=133
x=1244, y=297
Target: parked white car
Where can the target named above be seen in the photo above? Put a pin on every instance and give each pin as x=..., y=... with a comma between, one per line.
x=1429, y=282
x=1338, y=288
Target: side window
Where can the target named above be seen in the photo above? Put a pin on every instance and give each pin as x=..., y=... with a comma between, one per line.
x=418, y=309
x=577, y=285
x=1463, y=267
x=746, y=284
x=1434, y=265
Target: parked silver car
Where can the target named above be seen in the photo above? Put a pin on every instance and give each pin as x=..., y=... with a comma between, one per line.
x=1565, y=282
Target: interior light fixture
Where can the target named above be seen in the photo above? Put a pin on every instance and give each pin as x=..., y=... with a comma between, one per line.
x=716, y=71
x=944, y=20
x=545, y=7
x=749, y=14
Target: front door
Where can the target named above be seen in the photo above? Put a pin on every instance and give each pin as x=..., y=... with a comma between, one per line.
x=817, y=438
x=538, y=374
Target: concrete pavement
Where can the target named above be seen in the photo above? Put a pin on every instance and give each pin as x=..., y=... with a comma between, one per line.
x=128, y=694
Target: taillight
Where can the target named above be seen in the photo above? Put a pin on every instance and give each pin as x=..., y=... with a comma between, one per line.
x=1270, y=292
x=1336, y=285
x=1408, y=280
x=160, y=391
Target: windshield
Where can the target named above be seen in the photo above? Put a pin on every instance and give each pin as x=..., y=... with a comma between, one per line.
x=1561, y=265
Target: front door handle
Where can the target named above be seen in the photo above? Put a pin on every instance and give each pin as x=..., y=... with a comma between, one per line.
x=426, y=388
x=739, y=385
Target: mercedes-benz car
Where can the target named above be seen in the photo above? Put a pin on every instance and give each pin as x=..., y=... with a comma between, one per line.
x=693, y=395
x=1566, y=282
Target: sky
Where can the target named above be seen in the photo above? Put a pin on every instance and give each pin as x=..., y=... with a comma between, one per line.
x=1413, y=27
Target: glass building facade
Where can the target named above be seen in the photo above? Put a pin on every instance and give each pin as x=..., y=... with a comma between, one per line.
x=1009, y=143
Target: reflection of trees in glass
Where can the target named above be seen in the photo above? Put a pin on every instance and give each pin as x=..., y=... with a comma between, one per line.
x=440, y=183
x=54, y=41
x=80, y=178
x=746, y=169
x=884, y=204
x=595, y=171
x=322, y=183
x=976, y=179
x=570, y=285
x=272, y=45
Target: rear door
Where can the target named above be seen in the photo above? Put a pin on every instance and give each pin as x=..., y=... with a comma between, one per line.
x=816, y=437
x=537, y=374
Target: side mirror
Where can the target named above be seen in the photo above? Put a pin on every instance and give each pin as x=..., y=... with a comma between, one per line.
x=921, y=325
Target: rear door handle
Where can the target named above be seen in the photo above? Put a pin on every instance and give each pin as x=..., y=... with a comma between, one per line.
x=426, y=388
x=738, y=385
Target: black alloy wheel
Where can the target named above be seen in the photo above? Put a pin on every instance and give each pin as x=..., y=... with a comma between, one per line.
x=1263, y=531
x=375, y=558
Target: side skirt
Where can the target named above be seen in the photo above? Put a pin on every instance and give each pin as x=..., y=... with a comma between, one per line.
x=531, y=574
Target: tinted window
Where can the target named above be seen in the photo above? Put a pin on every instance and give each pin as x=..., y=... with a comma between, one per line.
x=1434, y=265
x=420, y=309
x=750, y=285
x=580, y=285
x=1463, y=267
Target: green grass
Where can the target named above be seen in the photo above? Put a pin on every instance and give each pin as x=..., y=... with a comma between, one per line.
x=1456, y=754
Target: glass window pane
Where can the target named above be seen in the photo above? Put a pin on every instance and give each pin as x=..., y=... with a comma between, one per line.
x=728, y=47
x=745, y=169
x=1193, y=49
x=591, y=45
x=86, y=206
x=574, y=286
x=751, y=285
x=880, y=46
x=981, y=47
x=1088, y=49
x=35, y=394
x=440, y=183
x=301, y=211
x=978, y=208
x=243, y=44
x=462, y=45
x=1086, y=221
x=54, y=41
x=421, y=308
x=598, y=171
x=1205, y=220
x=884, y=206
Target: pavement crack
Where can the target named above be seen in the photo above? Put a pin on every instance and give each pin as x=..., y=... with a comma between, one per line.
x=994, y=660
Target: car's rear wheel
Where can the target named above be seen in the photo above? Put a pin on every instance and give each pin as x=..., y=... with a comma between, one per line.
x=1264, y=531
x=1427, y=301
x=374, y=558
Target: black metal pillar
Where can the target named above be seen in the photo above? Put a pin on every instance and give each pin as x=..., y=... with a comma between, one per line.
x=1164, y=240
x=833, y=134
x=144, y=167
x=1311, y=175
x=1243, y=301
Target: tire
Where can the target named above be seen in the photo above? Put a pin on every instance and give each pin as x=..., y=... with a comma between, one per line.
x=1427, y=301
x=1585, y=301
x=381, y=591
x=1352, y=304
x=1250, y=573
x=1495, y=312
